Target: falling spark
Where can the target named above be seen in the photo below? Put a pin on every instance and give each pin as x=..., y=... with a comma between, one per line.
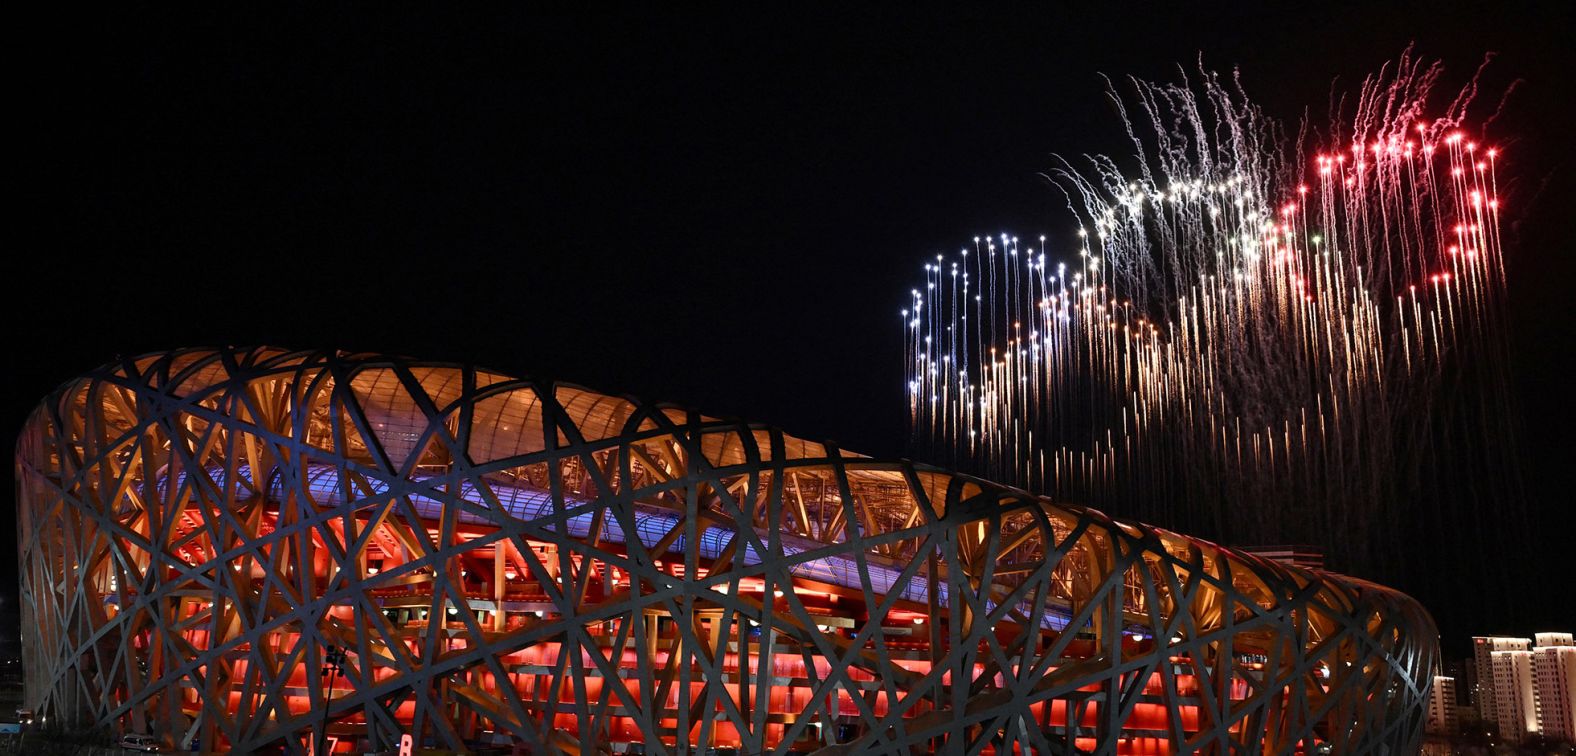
x=1256, y=330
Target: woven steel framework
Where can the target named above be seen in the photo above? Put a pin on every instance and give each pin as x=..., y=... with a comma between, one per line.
x=513, y=562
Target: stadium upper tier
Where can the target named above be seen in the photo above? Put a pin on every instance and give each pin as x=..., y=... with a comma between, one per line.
x=516, y=562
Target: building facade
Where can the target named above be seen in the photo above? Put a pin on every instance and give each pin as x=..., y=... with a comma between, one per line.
x=1554, y=685
x=1515, y=705
x=1442, y=707
x=485, y=561
x=1484, y=693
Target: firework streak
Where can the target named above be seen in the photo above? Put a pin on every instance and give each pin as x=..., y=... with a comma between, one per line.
x=1273, y=340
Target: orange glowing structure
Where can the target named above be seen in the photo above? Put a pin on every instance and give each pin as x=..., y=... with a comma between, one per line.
x=510, y=562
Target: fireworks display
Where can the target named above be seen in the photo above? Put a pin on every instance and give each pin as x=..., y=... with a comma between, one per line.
x=1276, y=337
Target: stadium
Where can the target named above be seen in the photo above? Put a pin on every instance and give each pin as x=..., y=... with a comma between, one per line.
x=257, y=549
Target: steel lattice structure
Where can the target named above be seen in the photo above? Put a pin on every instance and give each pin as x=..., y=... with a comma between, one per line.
x=509, y=561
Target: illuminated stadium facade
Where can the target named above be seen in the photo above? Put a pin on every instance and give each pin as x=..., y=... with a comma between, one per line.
x=514, y=563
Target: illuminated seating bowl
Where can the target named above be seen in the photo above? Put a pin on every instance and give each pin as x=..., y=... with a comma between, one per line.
x=510, y=563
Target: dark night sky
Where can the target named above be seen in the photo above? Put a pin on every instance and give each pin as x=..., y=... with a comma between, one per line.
x=725, y=212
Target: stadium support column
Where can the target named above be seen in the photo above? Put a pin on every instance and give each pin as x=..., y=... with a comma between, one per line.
x=1107, y=622
x=933, y=577
x=741, y=672
x=499, y=586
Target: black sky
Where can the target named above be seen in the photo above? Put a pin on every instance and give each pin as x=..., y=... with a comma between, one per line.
x=721, y=210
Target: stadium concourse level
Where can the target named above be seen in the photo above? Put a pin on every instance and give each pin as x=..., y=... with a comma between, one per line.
x=516, y=563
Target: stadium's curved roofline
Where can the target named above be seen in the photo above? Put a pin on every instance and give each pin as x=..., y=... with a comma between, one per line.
x=198, y=527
